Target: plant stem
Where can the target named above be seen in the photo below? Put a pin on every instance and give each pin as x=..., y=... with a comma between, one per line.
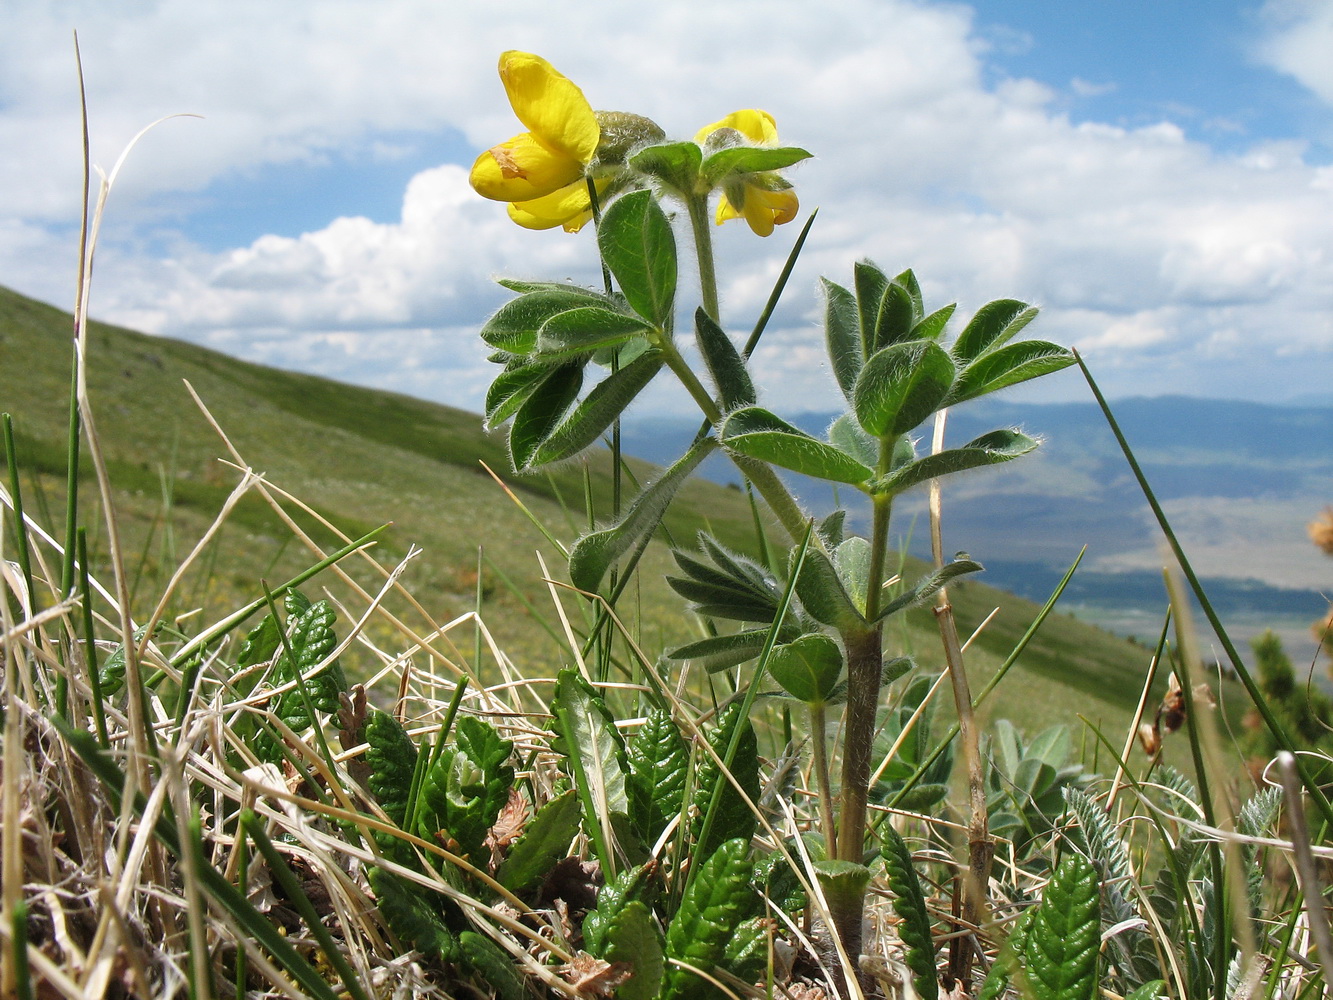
x=703, y=250
x=818, y=738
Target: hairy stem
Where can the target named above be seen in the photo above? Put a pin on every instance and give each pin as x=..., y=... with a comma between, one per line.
x=703, y=250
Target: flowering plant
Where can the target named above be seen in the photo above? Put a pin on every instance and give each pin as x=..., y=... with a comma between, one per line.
x=813, y=618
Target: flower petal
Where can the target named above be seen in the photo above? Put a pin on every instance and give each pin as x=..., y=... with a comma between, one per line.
x=569, y=207
x=522, y=169
x=757, y=126
x=550, y=105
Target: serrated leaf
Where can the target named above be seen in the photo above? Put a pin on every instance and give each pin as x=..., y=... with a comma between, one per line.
x=639, y=247
x=995, y=324
x=725, y=364
x=311, y=639
x=989, y=449
x=586, y=329
x=466, y=787
x=594, y=553
x=514, y=326
x=718, y=899
x=842, y=335
x=411, y=918
x=541, y=412
x=761, y=434
x=733, y=816
x=658, y=761
x=749, y=160
x=632, y=937
x=902, y=385
x=675, y=164
x=808, y=668
x=640, y=884
x=588, y=740
x=747, y=950
x=493, y=965
x=910, y=904
x=545, y=841
x=999, y=369
x=597, y=411
x=1060, y=953
x=392, y=758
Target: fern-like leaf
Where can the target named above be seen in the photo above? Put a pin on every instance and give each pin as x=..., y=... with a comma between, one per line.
x=910, y=905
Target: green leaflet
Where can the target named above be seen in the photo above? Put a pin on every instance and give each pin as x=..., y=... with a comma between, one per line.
x=588, y=328
x=596, y=411
x=1009, y=365
x=587, y=738
x=311, y=639
x=842, y=335
x=638, y=246
x=492, y=964
x=993, y=325
x=541, y=411
x=112, y=674
x=632, y=937
x=725, y=364
x=732, y=815
x=466, y=787
x=761, y=434
x=989, y=449
x=734, y=160
x=717, y=901
x=1060, y=953
x=910, y=904
x=392, y=759
x=514, y=326
x=808, y=668
x=633, y=885
x=823, y=595
x=901, y=385
x=411, y=918
x=723, y=585
x=658, y=760
x=718, y=652
x=545, y=841
x=594, y=553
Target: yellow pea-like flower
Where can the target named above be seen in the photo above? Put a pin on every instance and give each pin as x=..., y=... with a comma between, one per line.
x=762, y=199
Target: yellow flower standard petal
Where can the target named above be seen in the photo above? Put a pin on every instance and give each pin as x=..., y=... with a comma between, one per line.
x=550, y=105
x=560, y=142
x=757, y=126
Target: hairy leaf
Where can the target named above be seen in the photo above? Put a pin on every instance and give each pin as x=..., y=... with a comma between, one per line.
x=514, y=326
x=995, y=324
x=823, y=595
x=808, y=668
x=541, y=412
x=1010, y=365
x=597, y=411
x=842, y=335
x=750, y=159
x=871, y=285
x=725, y=364
x=901, y=385
x=718, y=652
x=639, y=248
x=585, y=329
x=761, y=434
x=717, y=901
x=989, y=449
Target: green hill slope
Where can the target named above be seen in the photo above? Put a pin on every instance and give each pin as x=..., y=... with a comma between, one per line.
x=361, y=457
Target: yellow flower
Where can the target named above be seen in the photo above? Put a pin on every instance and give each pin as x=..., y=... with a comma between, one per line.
x=762, y=199
x=541, y=172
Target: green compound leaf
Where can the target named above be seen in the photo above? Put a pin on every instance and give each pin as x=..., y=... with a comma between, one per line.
x=514, y=326
x=725, y=364
x=842, y=335
x=1020, y=362
x=719, y=899
x=762, y=434
x=597, y=411
x=639, y=247
x=901, y=385
x=541, y=411
x=587, y=738
x=411, y=918
x=989, y=449
x=640, y=885
x=632, y=937
x=658, y=761
x=585, y=329
x=311, y=638
x=392, y=759
x=732, y=816
x=723, y=585
x=1060, y=953
x=910, y=905
x=594, y=553
x=466, y=787
x=808, y=668
x=545, y=841
x=492, y=965
x=993, y=326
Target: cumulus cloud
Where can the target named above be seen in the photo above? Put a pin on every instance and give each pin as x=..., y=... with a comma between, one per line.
x=1171, y=265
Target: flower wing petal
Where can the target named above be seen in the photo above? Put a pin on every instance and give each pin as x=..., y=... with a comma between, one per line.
x=569, y=207
x=522, y=169
x=550, y=105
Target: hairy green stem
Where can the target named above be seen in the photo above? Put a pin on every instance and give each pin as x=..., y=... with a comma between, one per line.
x=703, y=250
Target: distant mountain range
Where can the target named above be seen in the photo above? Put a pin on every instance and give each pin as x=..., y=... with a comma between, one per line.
x=1238, y=480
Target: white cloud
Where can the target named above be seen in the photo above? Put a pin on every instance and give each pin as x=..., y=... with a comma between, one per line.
x=1300, y=42
x=1168, y=263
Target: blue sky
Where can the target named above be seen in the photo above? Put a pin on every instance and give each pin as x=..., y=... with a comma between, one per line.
x=1155, y=175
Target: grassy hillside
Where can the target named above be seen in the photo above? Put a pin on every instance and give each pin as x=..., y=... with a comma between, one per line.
x=361, y=457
